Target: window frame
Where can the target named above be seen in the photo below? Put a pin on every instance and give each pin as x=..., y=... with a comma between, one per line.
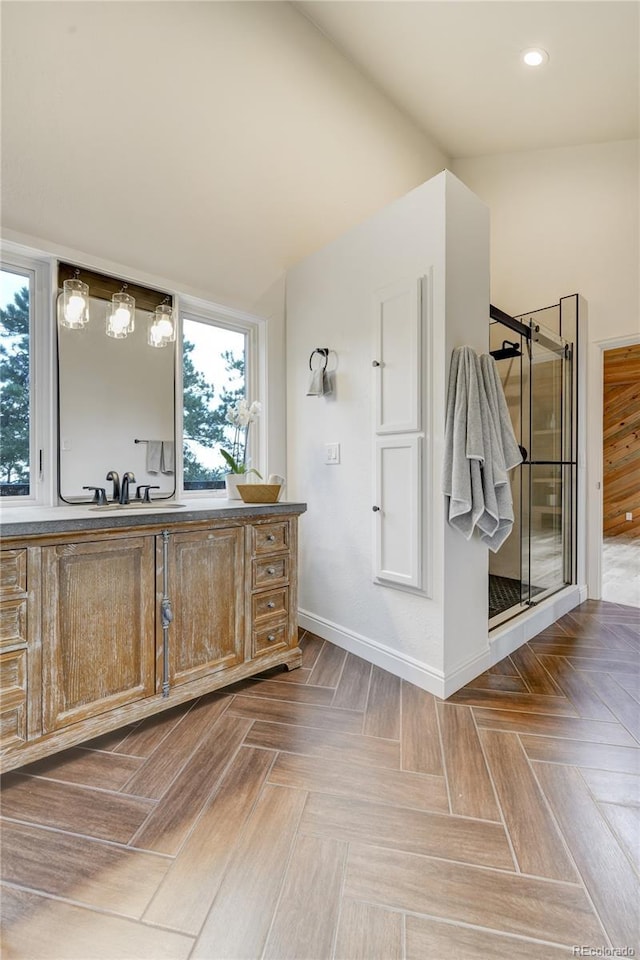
x=42, y=406
x=254, y=328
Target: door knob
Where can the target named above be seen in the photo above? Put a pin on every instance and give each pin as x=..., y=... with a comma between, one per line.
x=376, y=509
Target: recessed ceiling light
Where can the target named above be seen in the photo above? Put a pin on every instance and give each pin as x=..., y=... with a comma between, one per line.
x=535, y=57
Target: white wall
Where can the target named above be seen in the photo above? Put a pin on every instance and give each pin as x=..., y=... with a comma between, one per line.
x=566, y=221
x=439, y=229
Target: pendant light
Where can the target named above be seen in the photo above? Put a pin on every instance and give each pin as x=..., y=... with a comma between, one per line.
x=162, y=328
x=73, y=304
x=121, y=315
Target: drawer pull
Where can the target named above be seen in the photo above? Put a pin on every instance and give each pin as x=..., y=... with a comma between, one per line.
x=271, y=604
x=271, y=537
x=271, y=571
x=271, y=638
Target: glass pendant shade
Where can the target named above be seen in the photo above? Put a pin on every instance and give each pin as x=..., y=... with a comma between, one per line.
x=73, y=304
x=154, y=335
x=121, y=316
x=162, y=329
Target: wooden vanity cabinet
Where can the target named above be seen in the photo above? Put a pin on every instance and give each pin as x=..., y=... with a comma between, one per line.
x=84, y=625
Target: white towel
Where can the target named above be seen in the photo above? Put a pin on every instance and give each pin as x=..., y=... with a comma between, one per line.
x=167, y=460
x=500, y=411
x=479, y=450
x=464, y=447
x=505, y=453
x=154, y=453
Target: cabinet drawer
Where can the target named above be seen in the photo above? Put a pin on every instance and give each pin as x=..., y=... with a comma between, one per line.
x=267, y=572
x=13, y=695
x=269, y=605
x=266, y=639
x=13, y=672
x=13, y=573
x=13, y=724
x=13, y=622
x=270, y=538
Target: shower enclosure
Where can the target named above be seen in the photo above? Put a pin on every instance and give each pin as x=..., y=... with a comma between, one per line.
x=535, y=355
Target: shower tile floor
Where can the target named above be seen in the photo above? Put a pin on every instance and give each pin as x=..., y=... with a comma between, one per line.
x=504, y=593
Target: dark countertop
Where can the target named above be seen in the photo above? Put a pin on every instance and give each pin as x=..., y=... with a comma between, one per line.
x=39, y=521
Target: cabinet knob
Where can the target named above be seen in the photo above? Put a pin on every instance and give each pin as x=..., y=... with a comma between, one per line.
x=376, y=509
x=271, y=571
x=271, y=537
x=271, y=604
x=271, y=637
x=376, y=363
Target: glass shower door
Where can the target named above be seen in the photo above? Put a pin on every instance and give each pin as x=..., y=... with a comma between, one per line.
x=548, y=471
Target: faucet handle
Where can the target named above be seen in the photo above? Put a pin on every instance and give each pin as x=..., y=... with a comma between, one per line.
x=99, y=496
x=146, y=487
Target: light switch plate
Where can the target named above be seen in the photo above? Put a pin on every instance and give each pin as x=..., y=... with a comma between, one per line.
x=332, y=453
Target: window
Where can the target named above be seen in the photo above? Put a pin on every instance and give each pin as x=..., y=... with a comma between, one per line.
x=16, y=394
x=217, y=372
x=25, y=402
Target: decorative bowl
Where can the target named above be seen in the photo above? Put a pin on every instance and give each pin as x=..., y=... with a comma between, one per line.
x=259, y=492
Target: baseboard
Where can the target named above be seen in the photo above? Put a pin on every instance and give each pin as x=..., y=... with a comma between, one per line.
x=399, y=664
x=501, y=642
x=467, y=671
x=511, y=635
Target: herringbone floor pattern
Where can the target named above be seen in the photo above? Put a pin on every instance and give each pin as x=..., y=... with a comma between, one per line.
x=336, y=811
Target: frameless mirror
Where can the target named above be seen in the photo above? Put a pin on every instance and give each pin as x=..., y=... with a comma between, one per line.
x=116, y=401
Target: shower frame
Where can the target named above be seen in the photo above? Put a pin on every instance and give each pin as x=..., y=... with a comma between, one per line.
x=536, y=337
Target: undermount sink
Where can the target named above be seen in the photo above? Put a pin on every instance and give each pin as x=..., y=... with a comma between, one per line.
x=138, y=505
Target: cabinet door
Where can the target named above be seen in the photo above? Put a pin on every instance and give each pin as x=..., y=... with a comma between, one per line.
x=398, y=520
x=99, y=622
x=206, y=588
x=397, y=355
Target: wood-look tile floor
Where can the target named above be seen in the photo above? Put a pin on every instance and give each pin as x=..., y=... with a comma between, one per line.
x=337, y=812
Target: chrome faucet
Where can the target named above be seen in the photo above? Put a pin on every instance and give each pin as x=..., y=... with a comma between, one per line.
x=113, y=475
x=127, y=478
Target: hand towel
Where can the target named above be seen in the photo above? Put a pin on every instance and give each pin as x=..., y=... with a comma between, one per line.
x=167, y=460
x=511, y=452
x=480, y=449
x=505, y=454
x=154, y=453
x=464, y=447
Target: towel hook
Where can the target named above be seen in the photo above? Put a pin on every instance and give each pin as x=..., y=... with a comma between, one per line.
x=322, y=352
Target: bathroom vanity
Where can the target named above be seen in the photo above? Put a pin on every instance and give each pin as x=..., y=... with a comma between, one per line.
x=108, y=616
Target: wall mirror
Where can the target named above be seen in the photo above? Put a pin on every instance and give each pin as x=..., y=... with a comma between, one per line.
x=112, y=393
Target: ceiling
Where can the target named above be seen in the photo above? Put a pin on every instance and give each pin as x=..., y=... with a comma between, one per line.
x=454, y=68
x=213, y=144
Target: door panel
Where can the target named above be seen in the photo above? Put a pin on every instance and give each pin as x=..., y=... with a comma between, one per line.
x=398, y=357
x=99, y=624
x=398, y=520
x=206, y=578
